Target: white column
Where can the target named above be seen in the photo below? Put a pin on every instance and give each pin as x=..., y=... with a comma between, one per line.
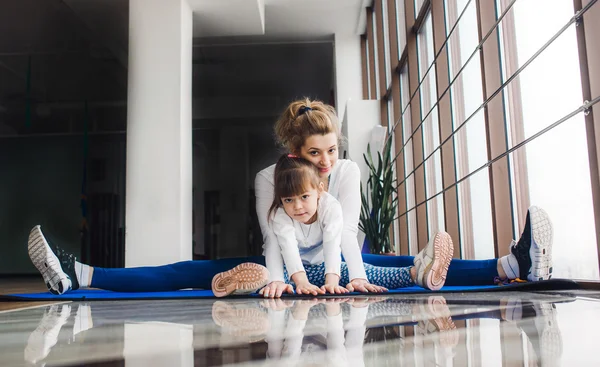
x=348, y=71
x=159, y=133
x=158, y=344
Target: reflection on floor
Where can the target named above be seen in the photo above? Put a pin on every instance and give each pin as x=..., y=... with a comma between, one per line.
x=451, y=329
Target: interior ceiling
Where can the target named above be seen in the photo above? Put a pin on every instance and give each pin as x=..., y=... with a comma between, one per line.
x=61, y=53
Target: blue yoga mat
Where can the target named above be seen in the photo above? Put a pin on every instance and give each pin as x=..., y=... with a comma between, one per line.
x=102, y=295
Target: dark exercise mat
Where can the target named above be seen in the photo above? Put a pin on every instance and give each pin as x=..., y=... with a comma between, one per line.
x=102, y=295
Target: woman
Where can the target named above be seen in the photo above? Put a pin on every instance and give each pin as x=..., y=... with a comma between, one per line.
x=314, y=135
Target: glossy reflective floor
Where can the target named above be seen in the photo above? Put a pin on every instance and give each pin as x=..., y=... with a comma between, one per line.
x=476, y=329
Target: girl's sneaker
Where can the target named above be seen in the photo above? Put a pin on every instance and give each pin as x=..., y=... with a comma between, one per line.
x=243, y=279
x=433, y=261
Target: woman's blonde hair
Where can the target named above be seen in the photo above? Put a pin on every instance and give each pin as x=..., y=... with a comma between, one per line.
x=304, y=118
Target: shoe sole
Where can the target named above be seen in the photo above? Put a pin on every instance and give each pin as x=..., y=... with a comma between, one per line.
x=442, y=320
x=46, y=262
x=243, y=279
x=541, y=245
x=240, y=322
x=436, y=271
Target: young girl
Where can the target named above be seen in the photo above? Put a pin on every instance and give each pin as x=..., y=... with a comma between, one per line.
x=308, y=224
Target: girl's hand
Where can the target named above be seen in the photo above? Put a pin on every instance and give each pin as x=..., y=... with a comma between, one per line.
x=308, y=288
x=275, y=289
x=363, y=285
x=334, y=289
x=277, y=304
x=332, y=284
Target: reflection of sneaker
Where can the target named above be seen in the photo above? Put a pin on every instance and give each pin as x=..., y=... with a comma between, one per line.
x=240, y=319
x=243, y=279
x=56, y=266
x=438, y=321
x=534, y=249
x=433, y=261
x=83, y=319
x=45, y=336
x=549, y=334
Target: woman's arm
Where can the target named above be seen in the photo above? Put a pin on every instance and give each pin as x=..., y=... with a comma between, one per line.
x=284, y=230
x=332, y=236
x=263, y=188
x=349, y=198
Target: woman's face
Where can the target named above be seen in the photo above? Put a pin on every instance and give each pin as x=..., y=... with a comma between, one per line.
x=322, y=151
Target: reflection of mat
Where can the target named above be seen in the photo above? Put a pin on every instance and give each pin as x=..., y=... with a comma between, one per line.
x=100, y=295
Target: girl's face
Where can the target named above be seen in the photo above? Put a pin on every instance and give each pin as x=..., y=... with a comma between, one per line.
x=303, y=207
x=322, y=151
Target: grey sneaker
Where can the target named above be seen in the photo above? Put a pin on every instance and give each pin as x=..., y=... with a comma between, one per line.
x=433, y=261
x=56, y=265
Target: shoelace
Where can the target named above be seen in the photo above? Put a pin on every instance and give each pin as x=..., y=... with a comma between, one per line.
x=500, y=281
x=521, y=250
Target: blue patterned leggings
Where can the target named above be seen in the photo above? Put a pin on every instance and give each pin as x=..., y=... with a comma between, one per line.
x=391, y=278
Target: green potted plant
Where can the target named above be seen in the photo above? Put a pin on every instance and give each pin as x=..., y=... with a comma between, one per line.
x=379, y=199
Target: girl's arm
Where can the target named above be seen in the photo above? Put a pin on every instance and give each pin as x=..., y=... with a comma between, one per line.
x=349, y=198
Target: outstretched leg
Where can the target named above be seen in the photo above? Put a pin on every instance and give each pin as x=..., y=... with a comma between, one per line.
x=62, y=272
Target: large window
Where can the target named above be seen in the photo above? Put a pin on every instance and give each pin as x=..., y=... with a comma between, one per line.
x=464, y=70
x=484, y=99
x=556, y=165
x=430, y=128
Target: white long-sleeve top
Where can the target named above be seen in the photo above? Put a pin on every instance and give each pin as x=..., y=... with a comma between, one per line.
x=344, y=185
x=311, y=244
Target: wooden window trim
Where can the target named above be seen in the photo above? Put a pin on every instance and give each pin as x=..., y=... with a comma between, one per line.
x=371, y=48
x=420, y=20
x=502, y=215
x=515, y=117
x=415, y=113
x=589, y=59
x=365, y=66
x=451, y=215
x=381, y=59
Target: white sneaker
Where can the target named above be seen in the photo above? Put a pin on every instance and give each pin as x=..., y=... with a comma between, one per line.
x=433, y=261
x=50, y=264
x=534, y=249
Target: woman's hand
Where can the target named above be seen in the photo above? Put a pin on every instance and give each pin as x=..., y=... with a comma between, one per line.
x=276, y=289
x=363, y=285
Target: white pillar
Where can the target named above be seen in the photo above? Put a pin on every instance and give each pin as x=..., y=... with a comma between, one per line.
x=348, y=71
x=158, y=344
x=159, y=133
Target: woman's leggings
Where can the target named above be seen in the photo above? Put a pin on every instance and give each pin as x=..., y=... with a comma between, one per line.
x=199, y=273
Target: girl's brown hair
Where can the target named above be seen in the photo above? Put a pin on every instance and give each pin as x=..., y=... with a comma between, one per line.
x=304, y=118
x=293, y=176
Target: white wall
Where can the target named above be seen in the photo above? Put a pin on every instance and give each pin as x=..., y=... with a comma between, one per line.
x=347, y=70
x=360, y=118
